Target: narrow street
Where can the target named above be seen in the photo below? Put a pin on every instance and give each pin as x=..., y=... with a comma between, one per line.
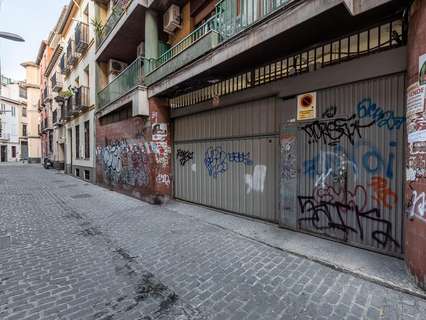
x=79, y=251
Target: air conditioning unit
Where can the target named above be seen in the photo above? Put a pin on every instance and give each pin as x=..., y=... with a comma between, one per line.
x=171, y=19
x=116, y=66
x=141, y=49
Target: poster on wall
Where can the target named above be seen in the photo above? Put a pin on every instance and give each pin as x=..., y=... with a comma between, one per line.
x=415, y=99
x=159, y=131
x=307, y=106
x=422, y=70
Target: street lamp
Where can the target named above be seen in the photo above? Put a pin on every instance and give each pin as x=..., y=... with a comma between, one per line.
x=12, y=37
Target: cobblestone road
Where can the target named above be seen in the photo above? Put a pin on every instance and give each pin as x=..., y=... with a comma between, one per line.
x=83, y=252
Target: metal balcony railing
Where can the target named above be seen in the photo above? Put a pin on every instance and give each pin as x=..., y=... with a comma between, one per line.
x=69, y=107
x=189, y=40
x=117, y=11
x=82, y=98
x=55, y=117
x=231, y=17
x=72, y=54
x=81, y=36
x=126, y=81
x=57, y=81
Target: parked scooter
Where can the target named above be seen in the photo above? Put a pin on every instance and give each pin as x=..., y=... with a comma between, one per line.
x=47, y=163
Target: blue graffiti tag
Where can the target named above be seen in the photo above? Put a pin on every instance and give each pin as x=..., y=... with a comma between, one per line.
x=370, y=159
x=216, y=160
x=368, y=109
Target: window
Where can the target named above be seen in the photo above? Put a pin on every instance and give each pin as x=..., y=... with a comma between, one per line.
x=3, y=107
x=86, y=174
x=23, y=92
x=13, y=151
x=50, y=141
x=13, y=111
x=24, y=130
x=87, y=139
x=77, y=142
x=117, y=115
x=24, y=111
x=77, y=172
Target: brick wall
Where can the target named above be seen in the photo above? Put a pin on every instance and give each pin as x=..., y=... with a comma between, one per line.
x=415, y=224
x=133, y=156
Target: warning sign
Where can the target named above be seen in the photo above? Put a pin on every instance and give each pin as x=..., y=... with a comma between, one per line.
x=307, y=106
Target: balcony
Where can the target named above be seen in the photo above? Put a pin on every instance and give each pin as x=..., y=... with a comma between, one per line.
x=197, y=43
x=82, y=98
x=72, y=54
x=68, y=106
x=127, y=87
x=57, y=82
x=117, y=11
x=123, y=32
x=81, y=36
x=55, y=117
x=45, y=95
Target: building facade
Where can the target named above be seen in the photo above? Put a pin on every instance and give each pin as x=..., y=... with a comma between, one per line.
x=15, y=123
x=293, y=112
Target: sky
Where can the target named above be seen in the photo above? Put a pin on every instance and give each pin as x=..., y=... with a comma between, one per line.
x=31, y=19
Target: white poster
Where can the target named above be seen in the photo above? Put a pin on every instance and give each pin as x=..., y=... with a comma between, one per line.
x=307, y=106
x=415, y=99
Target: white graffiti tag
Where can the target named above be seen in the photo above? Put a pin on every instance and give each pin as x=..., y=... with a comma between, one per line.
x=418, y=206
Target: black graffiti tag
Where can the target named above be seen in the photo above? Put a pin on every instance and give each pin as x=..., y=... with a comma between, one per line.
x=184, y=156
x=330, y=216
x=331, y=131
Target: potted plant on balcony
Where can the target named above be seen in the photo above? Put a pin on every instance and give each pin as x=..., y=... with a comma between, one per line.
x=98, y=26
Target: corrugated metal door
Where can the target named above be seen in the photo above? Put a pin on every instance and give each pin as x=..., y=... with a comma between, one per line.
x=352, y=165
x=228, y=159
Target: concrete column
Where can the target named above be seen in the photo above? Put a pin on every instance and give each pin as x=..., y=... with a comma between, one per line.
x=415, y=224
x=151, y=34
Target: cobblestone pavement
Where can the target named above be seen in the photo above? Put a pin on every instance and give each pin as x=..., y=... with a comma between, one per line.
x=83, y=252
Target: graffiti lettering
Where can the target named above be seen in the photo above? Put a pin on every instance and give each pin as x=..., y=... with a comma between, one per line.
x=330, y=112
x=384, y=196
x=368, y=109
x=240, y=157
x=331, y=132
x=329, y=163
x=184, y=156
x=288, y=157
x=124, y=163
x=330, y=216
x=329, y=194
x=418, y=204
x=164, y=179
x=216, y=160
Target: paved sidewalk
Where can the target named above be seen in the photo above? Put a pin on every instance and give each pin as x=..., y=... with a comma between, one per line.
x=83, y=252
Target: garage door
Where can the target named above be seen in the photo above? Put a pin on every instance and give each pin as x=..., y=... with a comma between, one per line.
x=228, y=159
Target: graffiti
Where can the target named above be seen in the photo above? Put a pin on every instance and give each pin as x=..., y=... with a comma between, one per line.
x=288, y=157
x=184, y=156
x=384, y=196
x=417, y=207
x=326, y=216
x=256, y=182
x=368, y=109
x=352, y=198
x=361, y=155
x=240, y=157
x=331, y=132
x=330, y=112
x=163, y=178
x=161, y=151
x=124, y=163
x=216, y=160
